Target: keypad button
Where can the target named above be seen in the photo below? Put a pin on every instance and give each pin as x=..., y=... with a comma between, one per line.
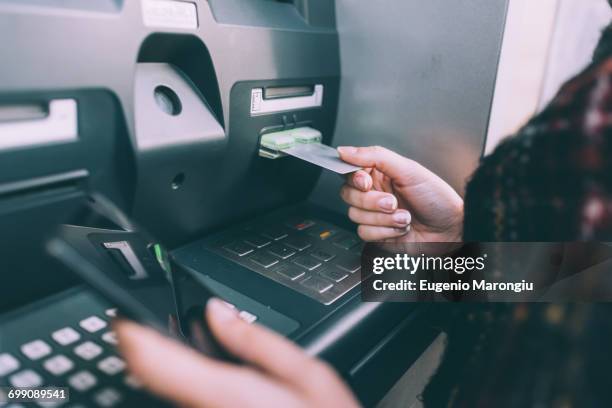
x=275, y=232
x=350, y=264
x=297, y=242
x=112, y=312
x=247, y=316
x=239, y=248
x=264, y=259
x=26, y=379
x=82, y=381
x=230, y=305
x=92, y=324
x=322, y=232
x=8, y=364
x=308, y=262
x=88, y=350
x=300, y=224
x=58, y=365
x=347, y=242
x=36, y=349
x=322, y=255
x=111, y=365
x=290, y=271
x=318, y=285
x=281, y=251
x=108, y=397
x=110, y=338
x=132, y=382
x=65, y=336
x=257, y=241
x=334, y=274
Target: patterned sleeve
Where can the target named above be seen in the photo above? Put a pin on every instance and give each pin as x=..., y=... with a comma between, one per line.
x=553, y=180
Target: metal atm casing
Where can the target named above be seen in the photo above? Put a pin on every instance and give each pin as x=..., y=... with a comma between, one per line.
x=105, y=55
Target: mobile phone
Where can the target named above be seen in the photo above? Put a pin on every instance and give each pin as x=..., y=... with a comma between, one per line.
x=140, y=278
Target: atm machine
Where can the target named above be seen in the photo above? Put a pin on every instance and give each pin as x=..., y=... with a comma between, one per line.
x=161, y=105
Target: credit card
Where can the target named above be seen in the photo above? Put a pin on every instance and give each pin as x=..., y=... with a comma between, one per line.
x=321, y=155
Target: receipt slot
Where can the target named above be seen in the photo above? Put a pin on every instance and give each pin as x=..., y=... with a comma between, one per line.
x=283, y=99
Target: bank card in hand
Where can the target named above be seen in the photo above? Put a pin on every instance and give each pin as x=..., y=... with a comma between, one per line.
x=321, y=155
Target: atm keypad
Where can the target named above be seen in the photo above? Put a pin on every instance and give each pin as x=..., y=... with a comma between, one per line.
x=313, y=257
x=94, y=373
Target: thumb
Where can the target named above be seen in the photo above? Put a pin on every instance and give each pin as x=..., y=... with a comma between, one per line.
x=255, y=344
x=386, y=161
x=400, y=169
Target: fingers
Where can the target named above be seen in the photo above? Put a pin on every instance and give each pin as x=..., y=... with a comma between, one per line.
x=256, y=344
x=385, y=160
x=178, y=373
x=370, y=200
x=360, y=180
x=370, y=233
x=399, y=219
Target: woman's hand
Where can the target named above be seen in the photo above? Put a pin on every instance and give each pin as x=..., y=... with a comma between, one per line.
x=396, y=199
x=277, y=373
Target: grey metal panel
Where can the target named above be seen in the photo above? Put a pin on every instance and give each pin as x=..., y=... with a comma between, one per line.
x=417, y=77
x=294, y=15
x=64, y=48
x=56, y=46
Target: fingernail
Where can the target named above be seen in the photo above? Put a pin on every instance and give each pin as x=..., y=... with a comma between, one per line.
x=388, y=203
x=401, y=217
x=404, y=230
x=220, y=310
x=347, y=150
